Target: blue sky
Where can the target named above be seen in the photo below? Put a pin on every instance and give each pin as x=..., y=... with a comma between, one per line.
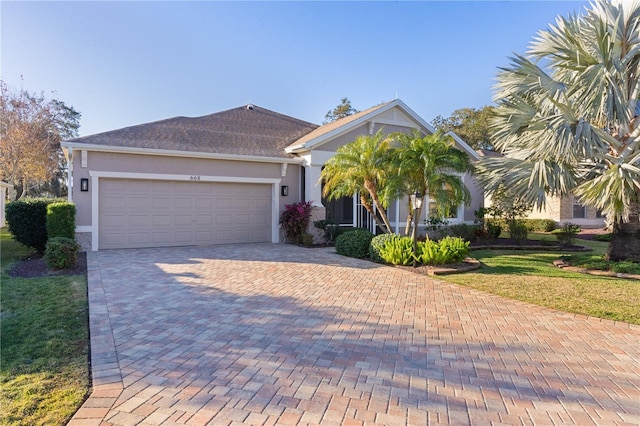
x=126, y=63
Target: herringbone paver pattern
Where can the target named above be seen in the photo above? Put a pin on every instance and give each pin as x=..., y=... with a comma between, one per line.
x=276, y=334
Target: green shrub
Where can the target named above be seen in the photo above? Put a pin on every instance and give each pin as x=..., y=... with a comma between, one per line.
x=626, y=267
x=377, y=243
x=447, y=250
x=397, y=251
x=464, y=231
x=61, y=220
x=604, y=237
x=493, y=229
x=518, y=230
x=532, y=225
x=456, y=249
x=27, y=220
x=331, y=229
x=354, y=243
x=61, y=253
x=566, y=235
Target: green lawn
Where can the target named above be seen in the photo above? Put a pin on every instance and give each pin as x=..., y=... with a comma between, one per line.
x=530, y=276
x=44, y=374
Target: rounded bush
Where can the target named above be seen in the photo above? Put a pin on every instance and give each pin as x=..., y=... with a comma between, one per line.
x=61, y=253
x=377, y=243
x=518, y=230
x=354, y=243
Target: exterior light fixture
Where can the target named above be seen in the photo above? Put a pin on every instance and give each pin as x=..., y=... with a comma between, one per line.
x=284, y=190
x=84, y=184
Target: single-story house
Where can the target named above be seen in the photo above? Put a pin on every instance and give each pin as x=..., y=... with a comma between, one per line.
x=222, y=178
x=4, y=193
x=567, y=209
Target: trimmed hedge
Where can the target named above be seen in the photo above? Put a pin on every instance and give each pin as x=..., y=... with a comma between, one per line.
x=27, y=220
x=532, y=225
x=61, y=220
x=61, y=253
x=354, y=243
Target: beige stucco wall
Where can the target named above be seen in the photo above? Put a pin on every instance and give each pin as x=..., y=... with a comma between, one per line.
x=560, y=209
x=155, y=164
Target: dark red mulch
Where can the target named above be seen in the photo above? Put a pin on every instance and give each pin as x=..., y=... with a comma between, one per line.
x=35, y=267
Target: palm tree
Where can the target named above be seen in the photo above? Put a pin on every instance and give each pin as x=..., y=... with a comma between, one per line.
x=430, y=165
x=567, y=120
x=360, y=167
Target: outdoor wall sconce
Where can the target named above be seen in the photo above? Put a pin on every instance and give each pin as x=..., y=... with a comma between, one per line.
x=84, y=184
x=284, y=190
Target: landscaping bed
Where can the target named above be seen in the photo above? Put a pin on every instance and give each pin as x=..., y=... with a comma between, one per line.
x=34, y=266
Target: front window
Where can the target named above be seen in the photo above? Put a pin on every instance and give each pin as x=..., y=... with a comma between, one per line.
x=579, y=211
x=455, y=211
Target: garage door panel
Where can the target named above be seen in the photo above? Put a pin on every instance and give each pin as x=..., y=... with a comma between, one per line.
x=148, y=213
x=204, y=219
x=139, y=221
x=260, y=219
x=243, y=219
x=161, y=220
x=223, y=203
x=138, y=238
x=204, y=203
x=224, y=219
x=183, y=236
x=243, y=204
x=161, y=203
x=139, y=202
x=114, y=203
x=114, y=220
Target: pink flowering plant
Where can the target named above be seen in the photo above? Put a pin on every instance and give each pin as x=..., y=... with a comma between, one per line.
x=294, y=220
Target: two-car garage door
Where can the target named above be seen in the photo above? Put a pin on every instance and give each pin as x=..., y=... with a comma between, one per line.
x=154, y=213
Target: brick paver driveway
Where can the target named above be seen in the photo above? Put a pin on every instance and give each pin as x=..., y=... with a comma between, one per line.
x=276, y=334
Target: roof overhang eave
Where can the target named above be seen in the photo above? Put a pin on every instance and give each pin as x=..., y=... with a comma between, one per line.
x=176, y=153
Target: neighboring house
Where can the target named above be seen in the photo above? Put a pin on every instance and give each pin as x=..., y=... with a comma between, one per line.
x=568, y=209
x=4, y=193
x=561, y=209
x=221, y=178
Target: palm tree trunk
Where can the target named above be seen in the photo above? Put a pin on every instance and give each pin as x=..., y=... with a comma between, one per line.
x=371, y=189
x=418, y=214
x=625, y=240
x=369, y=208
x=407, y=229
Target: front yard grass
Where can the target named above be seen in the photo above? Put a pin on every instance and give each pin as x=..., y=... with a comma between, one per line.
x=530, y=276
x=44, y=375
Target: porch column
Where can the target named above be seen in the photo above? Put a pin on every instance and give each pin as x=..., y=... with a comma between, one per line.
x=312, y=187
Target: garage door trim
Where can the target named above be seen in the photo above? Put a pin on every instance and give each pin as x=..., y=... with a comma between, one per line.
x=95, y=192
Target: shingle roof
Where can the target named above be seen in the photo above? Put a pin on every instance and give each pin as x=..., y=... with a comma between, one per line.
x=322, y=130
x=244, y=130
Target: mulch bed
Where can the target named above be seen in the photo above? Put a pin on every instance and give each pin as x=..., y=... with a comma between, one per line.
x=35, y=267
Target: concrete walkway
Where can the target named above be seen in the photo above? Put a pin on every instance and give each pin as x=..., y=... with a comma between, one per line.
x=276, y=334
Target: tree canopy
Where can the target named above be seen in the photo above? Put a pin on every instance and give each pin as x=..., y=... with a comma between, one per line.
x=567, y=119
x=344, y=109
x=472, y=125
x=31, y=129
